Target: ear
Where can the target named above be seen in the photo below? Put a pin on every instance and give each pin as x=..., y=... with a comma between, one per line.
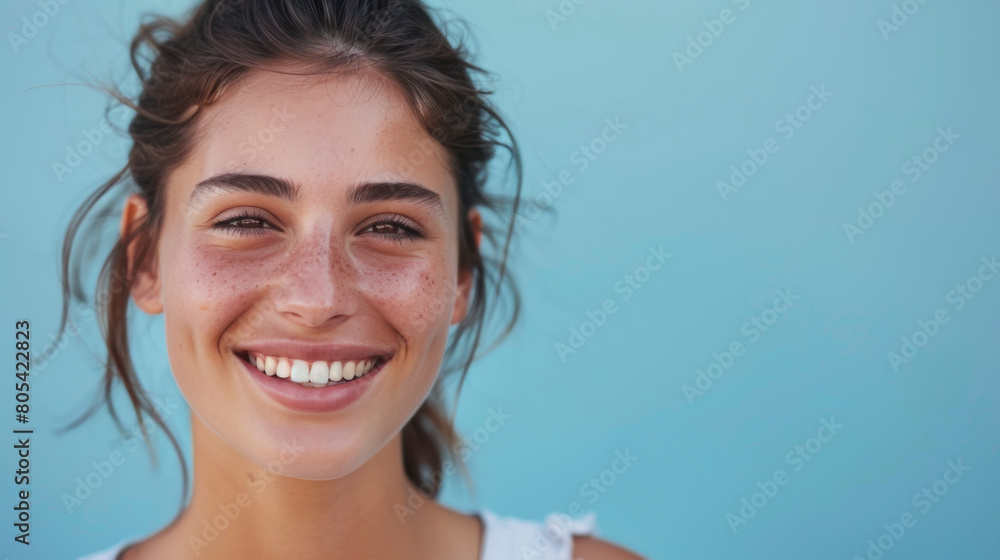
x=465, y=277
x=145, y=288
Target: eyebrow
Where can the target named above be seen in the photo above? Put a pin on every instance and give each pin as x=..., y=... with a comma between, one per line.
x=363, y=193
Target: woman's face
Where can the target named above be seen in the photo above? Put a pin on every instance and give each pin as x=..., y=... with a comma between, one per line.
x=312, y=230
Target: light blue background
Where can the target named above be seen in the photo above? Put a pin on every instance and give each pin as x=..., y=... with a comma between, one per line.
x=653, y=186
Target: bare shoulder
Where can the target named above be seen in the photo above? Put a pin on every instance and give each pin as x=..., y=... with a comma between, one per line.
x=592, y=548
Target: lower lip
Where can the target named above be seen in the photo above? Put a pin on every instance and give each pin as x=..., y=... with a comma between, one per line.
x=312, y=399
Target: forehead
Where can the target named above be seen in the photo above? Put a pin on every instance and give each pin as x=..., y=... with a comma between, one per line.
x=320, y=131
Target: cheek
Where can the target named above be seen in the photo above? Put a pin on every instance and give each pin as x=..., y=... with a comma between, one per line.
x=209, y=290
x=206, y=290
x=414, y=295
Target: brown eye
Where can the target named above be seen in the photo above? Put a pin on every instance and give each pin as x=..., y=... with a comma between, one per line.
x=394, y=228
x=385, y=228
x=246, y=224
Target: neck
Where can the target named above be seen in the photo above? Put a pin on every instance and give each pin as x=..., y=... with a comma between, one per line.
x=241, y=510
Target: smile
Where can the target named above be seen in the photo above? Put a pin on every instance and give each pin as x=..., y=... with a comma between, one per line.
x=313, y=373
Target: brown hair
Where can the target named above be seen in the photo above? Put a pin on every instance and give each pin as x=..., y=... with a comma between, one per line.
x=188, y=64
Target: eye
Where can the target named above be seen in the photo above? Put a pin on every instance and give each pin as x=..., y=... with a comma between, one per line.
x=393, y=228
x=247, y=223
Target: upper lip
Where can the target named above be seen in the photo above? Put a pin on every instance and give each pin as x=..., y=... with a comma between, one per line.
x=313, y=351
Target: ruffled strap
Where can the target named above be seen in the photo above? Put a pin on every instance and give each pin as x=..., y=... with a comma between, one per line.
x=509, y=538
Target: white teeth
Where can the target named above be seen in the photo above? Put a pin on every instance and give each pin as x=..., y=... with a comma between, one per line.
x=311, y=373
x=300, y=371
x=319, y=373
x=336, y=371
x=284, y=368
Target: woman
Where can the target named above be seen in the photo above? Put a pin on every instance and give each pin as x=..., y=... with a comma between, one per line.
x=307, y=179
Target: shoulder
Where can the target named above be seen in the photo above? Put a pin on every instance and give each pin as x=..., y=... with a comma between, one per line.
x=587, y=547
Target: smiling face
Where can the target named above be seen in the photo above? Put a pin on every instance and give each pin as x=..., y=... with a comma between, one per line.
x=312, y=230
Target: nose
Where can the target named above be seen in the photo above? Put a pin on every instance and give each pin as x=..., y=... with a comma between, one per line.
x=317, y=287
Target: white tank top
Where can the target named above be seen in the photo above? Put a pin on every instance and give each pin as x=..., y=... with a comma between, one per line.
x=504, y=538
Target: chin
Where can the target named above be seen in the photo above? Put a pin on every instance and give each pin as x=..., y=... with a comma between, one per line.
x=305, y=455
x=310, y=450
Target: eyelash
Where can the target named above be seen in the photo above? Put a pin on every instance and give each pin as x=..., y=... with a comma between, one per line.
x=408, y=230
x=228, y=224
